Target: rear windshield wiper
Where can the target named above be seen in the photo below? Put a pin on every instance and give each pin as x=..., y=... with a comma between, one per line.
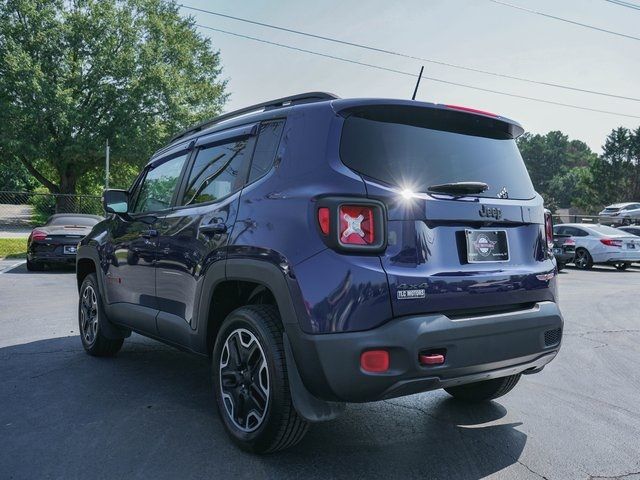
x=458, y=188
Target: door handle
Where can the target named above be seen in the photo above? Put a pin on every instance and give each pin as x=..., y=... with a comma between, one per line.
x=213, y=228
x=149, y=233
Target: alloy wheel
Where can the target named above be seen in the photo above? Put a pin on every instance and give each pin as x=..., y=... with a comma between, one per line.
x=581, y=259
x=89, y=315
x=244, y=380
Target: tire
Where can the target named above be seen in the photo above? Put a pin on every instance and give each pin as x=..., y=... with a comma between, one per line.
x=626, y=222
x=485, y=390
x=256, y=373
x=90, y=316
x=34, y=267
x=561, y=265
x=583, y=259
x=622, y=266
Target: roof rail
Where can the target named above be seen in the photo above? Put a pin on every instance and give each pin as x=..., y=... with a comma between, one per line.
x=308, y=97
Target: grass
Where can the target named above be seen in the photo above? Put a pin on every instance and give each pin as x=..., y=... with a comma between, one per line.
x=11, y=248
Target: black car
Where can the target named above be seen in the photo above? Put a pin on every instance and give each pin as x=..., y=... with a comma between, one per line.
x=56, y=241
x=564, y=249
x=323, y=251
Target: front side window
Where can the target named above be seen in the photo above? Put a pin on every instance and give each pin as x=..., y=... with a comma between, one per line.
x=159, y=185
x=218, y=171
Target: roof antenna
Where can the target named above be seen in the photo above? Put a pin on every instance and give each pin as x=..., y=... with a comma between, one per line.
x=417, y=83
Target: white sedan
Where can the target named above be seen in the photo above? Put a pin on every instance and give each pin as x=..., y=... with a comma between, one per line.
x=599, y=244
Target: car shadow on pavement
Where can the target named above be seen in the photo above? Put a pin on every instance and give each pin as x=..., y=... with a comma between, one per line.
x=149, y=413
x=22, y=269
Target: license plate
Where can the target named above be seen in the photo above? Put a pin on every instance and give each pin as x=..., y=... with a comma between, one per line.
x=487, y=246
x=631, y=246
x=70, y=249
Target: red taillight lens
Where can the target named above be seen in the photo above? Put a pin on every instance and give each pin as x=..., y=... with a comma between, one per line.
x=375, y=361
x=569, y=241
x=610, y=242
x=323, y=220
x=548, y=229
x=356, y=225
x=38, y=235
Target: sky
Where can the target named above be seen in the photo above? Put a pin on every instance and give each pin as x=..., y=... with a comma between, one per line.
x=474, y=33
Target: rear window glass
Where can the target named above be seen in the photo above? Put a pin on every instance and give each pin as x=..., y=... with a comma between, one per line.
x=413, y=152
x=70, y=220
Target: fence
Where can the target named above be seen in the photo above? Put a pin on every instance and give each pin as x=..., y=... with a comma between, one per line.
x=21, y=211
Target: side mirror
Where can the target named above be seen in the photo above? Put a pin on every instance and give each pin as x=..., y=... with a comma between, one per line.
x=115, y=201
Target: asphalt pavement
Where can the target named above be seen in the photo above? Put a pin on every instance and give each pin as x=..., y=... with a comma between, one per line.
x=149, y=412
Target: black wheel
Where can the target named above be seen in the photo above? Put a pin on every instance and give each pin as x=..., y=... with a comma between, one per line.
x=250, y=382
x=622, y=266
x=626, y=222
x=90, y=316
x=485, y=390
x=34, y=267
x=583, y=259
x=561, y=265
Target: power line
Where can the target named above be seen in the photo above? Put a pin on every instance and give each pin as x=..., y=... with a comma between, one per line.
x=566, y=20
x=398, y=54
x=624, y=4
x=413, y=75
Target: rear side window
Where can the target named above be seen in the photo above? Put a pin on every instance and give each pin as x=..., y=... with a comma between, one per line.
x=266, y=148
x=411, y=148
x=159, y=185
x=218, y=171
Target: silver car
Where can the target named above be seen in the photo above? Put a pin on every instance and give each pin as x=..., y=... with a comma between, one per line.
x=599, y=244
x=620, y=214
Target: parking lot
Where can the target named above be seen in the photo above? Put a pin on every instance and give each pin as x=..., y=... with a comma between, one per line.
x=149, y=413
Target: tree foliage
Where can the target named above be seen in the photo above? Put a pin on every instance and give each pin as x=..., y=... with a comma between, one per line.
x=568, y=174
x=76, y=73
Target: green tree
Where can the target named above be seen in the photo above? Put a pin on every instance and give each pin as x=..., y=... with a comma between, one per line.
x=76, y=73
x=557, y=166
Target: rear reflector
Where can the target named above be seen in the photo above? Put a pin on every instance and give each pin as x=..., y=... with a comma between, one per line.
x=431, y=359
x=470, y=110
x=356, y=225
x=323, y=220
x=610, y=242
x=375, y=361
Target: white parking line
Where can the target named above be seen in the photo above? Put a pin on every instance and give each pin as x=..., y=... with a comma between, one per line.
x=11, y=267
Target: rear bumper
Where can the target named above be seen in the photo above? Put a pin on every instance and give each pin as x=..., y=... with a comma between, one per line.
x=477, y=348
x=51, y=257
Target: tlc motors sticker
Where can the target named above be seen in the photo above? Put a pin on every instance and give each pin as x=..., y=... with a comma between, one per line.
x=410, y=292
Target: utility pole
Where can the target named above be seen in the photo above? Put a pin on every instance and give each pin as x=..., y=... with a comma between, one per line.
x=106, y=175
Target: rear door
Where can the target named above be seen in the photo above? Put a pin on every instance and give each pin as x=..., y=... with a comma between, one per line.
x=450, y=251
x=193, y=236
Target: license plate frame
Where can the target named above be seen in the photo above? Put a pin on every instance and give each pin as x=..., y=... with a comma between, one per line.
x=487, y=246
x=69, y=249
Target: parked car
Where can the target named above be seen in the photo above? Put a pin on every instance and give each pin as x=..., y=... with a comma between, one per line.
x=600, y=244
x=632, y=230
x=56, y=241
x=620, y=214
x=564, y=249
x=323, y=251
